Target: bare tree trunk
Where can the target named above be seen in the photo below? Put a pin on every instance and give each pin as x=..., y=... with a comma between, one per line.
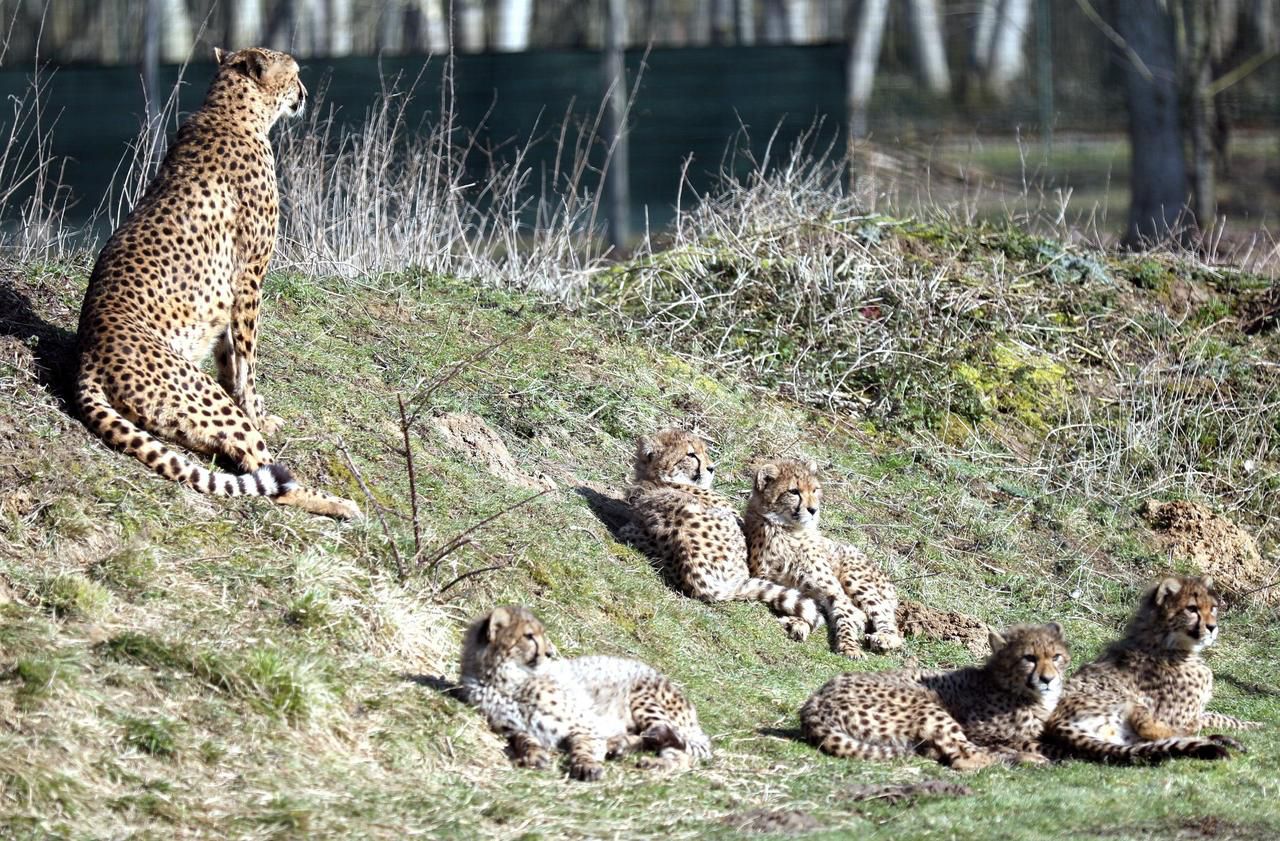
x=723, y=20
x=930, y=48
x=468, y=25
x=151, y=58
x=340, y=36
x=283, y=25
x=864, y=54
x=799, y=21
x=1193, y=26
x=1007, y=57
x=514, y=18
x=775, y=22
x=618, y=177
x=246, y=24
x=745, y=21
x=1158, y=175
x=392, y=24
x=984, y=28
x=176, y=39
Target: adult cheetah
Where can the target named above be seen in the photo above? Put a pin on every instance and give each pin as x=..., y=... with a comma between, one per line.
x=182, y=276
x=695, y=533
x=1145, y=696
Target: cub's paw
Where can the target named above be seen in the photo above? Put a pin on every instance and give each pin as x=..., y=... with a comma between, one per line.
x=269, y=425
x=587, y=772
x=974, y=761
x=883, y=641
x=1228, y=742
x=1030, y=757
x=537, y=759
x=796, y=628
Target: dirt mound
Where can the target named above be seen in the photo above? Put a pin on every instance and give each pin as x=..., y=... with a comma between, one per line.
x=772, y=822
x=1216, y=546
x=471, y=437
x=918, y=620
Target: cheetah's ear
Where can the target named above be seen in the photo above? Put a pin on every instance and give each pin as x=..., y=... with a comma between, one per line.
x=1167, y=587
x=1054, y=628
x=219, y=54
x=647, y=447
x=812, y=467
x=765, y=475
x=996, y=641
x=499, y=619
x=1208, y=582
x=252, y=63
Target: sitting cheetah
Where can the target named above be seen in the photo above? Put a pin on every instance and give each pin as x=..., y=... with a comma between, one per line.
x=1144, y=697
x=968, y=718
x=685, y=525
x=784, y=545
x=592, y=706
x=183, y=275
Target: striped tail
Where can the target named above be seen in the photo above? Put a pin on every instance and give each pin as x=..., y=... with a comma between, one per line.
x=784, y=601
x=1081, y=744
x=270, y=480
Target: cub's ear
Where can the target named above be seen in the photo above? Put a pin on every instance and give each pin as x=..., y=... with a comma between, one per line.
x=1054, y=628
x=1167, y=587
x=765, y=475
x=499, y=619
x=812, y=467
x=996, y=641
x=645, y=447
x=252, y=63
x=1208, y=582
x=219, y=54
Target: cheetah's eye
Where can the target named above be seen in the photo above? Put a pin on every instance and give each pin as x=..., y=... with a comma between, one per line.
x=1191, y=609
x=794, y=491
x=529, y=635
x=1030, y=658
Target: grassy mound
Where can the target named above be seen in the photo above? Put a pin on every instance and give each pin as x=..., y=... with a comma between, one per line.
x=176, y=666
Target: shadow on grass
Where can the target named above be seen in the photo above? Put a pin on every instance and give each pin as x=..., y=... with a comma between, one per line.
x=53, y=347
x=614, y=514
x=440, y=683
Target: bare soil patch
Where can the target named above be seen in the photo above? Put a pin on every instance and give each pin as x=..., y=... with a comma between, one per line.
x=1216, y=546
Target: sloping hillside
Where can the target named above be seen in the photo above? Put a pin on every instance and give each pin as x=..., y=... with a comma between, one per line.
x=174, y=666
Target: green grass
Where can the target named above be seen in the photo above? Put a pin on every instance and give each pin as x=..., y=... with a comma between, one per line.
x=176, y=666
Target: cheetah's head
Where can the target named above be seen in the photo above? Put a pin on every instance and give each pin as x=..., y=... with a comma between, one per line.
x=674, y=457
x=508, y=637
x=787, y=493
x=275, y=78
x=1030, y=661
x=1181, y=612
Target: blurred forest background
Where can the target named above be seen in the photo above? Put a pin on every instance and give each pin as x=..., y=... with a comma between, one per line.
x=983, y=107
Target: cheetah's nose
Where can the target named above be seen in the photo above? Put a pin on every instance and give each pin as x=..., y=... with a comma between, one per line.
x=710, y=468
x=1210, y=628
x=812, y=509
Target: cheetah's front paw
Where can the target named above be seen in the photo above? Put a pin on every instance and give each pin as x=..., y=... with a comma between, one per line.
x=269, y=425
x=883, y=641
x=587, y=772
x=796, y=628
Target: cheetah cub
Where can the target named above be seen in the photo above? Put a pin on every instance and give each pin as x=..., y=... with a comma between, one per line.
x=1144, y=697
x=593, y=707
x=968, y=718
x=785, y=546
x=696, y=534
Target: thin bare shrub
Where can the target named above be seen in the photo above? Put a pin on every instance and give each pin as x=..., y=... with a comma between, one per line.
x=386, y=195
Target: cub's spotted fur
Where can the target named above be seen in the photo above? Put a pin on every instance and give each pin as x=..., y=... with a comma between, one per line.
x=592, y=707
x=1144, y=697
x=182, y=276
x=696, y=533
x=785, y=546
x=967, y=718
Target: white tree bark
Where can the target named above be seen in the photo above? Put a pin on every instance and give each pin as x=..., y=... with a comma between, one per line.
x=176, y=39
x=799, y=21
x=469, y=25
x=247, y=24
x=340, y=35
x=983, y=30
x=775, y=22
x=930, y=48
x=1007, y=60
x=514, y=19
x=745, y=24
x=391, y=25
x=864, y=54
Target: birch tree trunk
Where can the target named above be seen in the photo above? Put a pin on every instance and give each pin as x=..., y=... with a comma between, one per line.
x=176, y=39
x=775, y=22
x=745, y=21
x=246, y=24
x=864, y=53
x=618, y=176
x=1007, y=60
x=468, y=25
x=340, y=37
x=799, y=21
x=930, y=48
x=514, y=19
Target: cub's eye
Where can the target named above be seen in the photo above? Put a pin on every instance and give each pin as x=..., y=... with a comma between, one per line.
x=1030, y=658
x=794, y=492
x=529, y=635
x=1191, y=609
x=691, y=454
x=1057, y=658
